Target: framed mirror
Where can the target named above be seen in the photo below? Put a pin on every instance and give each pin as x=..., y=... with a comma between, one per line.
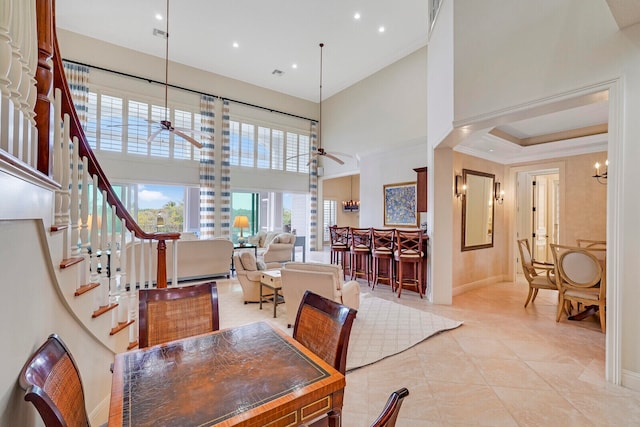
x=477, y=210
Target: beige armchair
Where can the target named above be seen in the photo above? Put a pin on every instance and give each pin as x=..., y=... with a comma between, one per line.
x=248, y=271
x=323, y=279
x=539, y=275
x=273, y=246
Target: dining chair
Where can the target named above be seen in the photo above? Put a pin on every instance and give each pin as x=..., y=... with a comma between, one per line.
x=52, y=383
x=339, y=247
x=581, y=278
x=172, y=313
x=591, y=244
x=389, y=414
x=324, y=327
x=360, y=253
x=382, y=247
x=408, y=250
x=539, y=275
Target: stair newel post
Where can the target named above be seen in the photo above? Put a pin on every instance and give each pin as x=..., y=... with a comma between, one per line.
x=174, y=278
x=104, y=257
x=161, y=277
x=142, y=278
x=84, y=218
x=149, y=257
x=94, y=243
x=75, y=201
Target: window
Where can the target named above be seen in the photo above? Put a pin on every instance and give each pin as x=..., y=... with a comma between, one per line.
x=263, y=147
x=117, y=123
x=329, y=215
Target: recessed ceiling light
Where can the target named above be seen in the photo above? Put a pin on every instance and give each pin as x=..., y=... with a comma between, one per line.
x=356, y=16
x=158, y=17
x=381, y=29
x=294, y=66
x=236, y=45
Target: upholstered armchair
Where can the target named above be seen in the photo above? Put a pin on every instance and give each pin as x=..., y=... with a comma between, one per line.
x=248, y=271
x=280, y=248
x=323, y=279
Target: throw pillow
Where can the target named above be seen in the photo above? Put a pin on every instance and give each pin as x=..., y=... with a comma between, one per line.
x=269, y=238
x=261, y=265
x=248, y=261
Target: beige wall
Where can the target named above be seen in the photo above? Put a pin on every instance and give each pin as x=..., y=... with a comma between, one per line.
x=480, y=266
x=339, y=189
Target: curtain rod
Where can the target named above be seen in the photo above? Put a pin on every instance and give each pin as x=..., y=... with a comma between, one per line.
x=198, y=92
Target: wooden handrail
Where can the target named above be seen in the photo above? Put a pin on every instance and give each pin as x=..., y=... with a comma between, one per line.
x=48, y=50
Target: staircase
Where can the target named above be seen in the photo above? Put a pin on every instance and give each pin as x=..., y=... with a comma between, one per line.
x=90, y=229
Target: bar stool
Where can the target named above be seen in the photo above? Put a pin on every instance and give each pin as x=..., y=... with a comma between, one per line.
x=409, y=251
x=361, y=253
x=339, y=246
x=382, y=247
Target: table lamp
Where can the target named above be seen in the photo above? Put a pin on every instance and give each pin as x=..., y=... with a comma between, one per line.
x=241, y=222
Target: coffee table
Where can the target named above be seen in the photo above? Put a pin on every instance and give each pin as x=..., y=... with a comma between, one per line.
x=271, y=279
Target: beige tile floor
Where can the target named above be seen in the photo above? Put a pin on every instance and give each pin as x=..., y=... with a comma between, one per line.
x=506, y=366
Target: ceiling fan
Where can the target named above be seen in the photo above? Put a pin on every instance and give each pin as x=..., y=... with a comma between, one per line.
x=166, y=125
x=318, y=152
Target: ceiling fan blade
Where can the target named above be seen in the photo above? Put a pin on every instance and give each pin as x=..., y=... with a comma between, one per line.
x=338, y=153
x=154, y=134
x=334, y=158
x=193, y=131
x=186, y=137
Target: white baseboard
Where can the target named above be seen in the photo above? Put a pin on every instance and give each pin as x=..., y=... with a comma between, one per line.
x=100, y=414
x=477, y=284
x=631, y=380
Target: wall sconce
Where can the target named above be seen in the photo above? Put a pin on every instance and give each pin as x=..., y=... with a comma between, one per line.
x=601, y=177
x=461, y=187
x=498, y=193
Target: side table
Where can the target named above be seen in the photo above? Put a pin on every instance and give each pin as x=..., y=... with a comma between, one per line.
x=271, y=280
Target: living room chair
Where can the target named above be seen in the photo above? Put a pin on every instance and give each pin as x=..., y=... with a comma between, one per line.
x=382, y=247
x=581, y=278
x=324, y=327
x=322, y=279
x=360, y=253
x=339, y=246
x=389, y=414
x=248, y=272
x=172, y=313
x=539, y=275
x=52, y=383
x=409, y=251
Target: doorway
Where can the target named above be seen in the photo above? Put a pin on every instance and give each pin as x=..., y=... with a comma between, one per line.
x=538, y=210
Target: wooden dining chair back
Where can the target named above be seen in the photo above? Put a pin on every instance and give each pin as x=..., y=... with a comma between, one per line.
x=172, y=313
x=539, y=275
x=382, y=247
x=339, y=246
x=591, y=244
x=324, y=327
x=408, y=250
x=581, y=278
x=52, y=383
x=389, y=414
x=360, y=252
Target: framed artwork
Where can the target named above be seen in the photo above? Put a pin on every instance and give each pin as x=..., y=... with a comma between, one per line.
x=400, y=205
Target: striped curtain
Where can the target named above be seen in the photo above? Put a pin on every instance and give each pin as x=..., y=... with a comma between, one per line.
x=207, y=169
x=313, y=189
x=78, y=79
x=225, y=174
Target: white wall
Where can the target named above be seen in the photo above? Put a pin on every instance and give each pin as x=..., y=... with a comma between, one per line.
x=31, y=309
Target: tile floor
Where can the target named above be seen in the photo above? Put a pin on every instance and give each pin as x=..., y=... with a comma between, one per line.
x=506, y=366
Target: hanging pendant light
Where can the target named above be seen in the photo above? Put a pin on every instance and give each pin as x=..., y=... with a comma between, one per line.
x=351, y=205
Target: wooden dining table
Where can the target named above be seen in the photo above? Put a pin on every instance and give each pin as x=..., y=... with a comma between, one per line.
x=251, y=375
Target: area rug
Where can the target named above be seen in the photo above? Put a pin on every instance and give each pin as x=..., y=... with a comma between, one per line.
x=382, y=328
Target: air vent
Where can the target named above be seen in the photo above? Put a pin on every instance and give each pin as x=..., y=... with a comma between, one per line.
x=277, y=73
x=159, y=33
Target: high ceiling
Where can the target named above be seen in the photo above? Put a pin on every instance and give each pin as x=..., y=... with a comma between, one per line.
x=271, y=35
